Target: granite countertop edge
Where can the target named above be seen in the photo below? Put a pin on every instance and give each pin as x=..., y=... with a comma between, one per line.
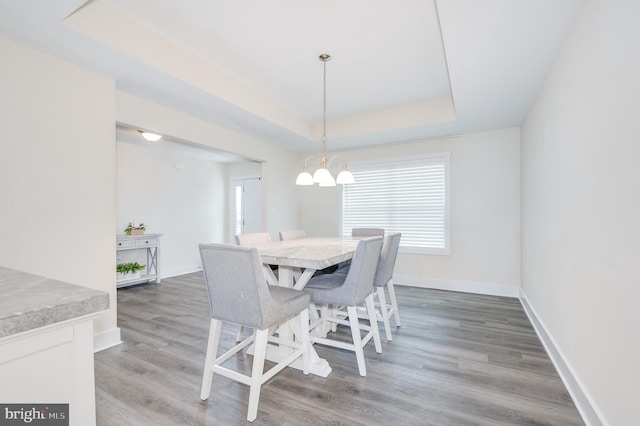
x=30, y=302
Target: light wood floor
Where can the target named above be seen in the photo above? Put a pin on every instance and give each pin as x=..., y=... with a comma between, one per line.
x=458, y=359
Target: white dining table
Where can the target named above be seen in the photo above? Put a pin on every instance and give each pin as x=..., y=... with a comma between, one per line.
x=297, y=261
x=307, y=255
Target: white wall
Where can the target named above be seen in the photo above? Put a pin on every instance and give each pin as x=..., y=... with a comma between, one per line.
x=243, y=169
x=485, y=213
x=187, y=205
x=57, y=172
x=581, y=206
x=58, y=169
x=279, y=167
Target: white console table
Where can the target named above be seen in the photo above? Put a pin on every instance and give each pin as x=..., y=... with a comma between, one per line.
x=130, y=248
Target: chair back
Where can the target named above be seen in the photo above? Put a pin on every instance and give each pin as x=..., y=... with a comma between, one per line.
x=359, y=281
x=236, y=285
x=387, y=261
x=253, y=240
x=367, y=232
x=292, y=234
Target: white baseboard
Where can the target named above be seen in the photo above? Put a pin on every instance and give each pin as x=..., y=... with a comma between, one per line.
x=106, y=340
x=112, y=337
x=476, y=287
x=584, y=403
x=174, y=272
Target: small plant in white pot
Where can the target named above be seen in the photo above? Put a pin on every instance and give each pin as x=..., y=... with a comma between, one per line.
x=132, y=229
x=129, y=270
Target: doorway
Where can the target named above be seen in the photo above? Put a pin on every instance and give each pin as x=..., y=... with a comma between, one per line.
x=247, y=205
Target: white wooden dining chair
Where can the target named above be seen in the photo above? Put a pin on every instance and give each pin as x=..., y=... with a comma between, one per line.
x=350, y=290
x=238, y=293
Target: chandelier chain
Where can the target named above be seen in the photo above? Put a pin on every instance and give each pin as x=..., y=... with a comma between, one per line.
x=324, y=58
x=324, y=100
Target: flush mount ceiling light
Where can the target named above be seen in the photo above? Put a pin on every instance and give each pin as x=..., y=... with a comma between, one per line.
x=322, y=176
x=151, y=137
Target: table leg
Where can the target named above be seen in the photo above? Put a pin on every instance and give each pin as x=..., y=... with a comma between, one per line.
x=285, y=276
x=319, y=366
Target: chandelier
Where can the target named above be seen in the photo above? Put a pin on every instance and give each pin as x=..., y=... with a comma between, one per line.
x=322, y=175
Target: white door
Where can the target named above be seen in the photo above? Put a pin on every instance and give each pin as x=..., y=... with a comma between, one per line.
x=247, y=216
x=252, y=205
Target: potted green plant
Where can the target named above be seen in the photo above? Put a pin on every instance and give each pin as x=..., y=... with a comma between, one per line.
x=129, y=270
x=132, y=229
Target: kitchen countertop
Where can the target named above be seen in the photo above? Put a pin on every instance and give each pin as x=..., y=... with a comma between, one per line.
x=30, y=301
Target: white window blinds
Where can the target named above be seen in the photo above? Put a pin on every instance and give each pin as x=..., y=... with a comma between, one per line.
x=411, y=197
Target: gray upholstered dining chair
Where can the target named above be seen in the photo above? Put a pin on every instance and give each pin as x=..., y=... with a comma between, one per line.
x=350, y=290
x=367, y=232
x=292, y=234
x=238, y=293
x=384, y=279
x=256, y=239
x=343, y=267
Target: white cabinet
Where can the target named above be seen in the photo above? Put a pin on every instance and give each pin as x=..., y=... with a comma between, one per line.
x=144, y=249
x=46, y=344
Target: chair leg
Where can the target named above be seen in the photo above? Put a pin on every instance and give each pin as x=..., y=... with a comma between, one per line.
x=239, y=333
x=394, y=302
x=334, y=325
x=313, y=312
x=385, y=313
x=305, y=342
x=324, y=314
x=357, y=339
x=255, y=384
x=212, y=352
x=373, y=322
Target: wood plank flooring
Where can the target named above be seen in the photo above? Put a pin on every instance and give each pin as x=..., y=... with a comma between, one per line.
x=458, y=359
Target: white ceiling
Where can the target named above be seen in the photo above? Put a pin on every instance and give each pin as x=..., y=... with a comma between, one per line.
x=400, y=70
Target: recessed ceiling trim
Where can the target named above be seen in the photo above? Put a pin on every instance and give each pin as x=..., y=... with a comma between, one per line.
x=97, y=20
x=385, y=119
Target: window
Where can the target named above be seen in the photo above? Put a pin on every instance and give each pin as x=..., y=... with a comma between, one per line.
x=238, y=211
x=407, y=196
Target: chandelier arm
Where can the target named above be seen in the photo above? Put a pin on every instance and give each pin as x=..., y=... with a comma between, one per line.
x=306, y=160
x=338, y=157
